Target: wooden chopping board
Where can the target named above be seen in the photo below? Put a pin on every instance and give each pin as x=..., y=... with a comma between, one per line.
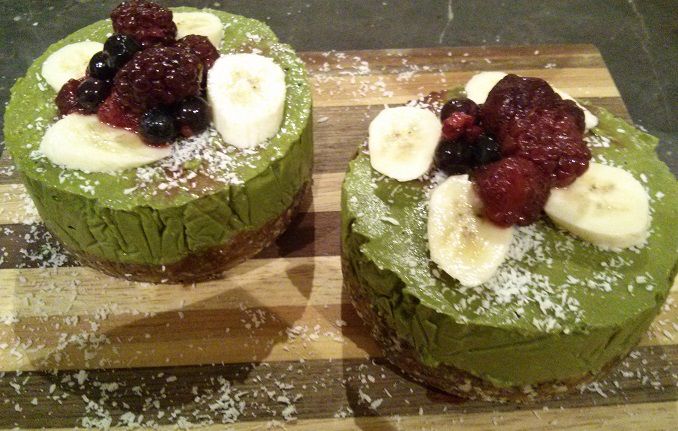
x=277, y=338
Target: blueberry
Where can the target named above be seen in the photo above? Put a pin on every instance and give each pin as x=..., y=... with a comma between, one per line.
x=120, y=49
x=486, y=150
x=91, y=92
x=157, y=127
x=99, y=66
x=466, y=106
x=192, y=115
x=454, y=156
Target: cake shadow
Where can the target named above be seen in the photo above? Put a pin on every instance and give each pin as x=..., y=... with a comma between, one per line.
x=231, y=326
x=373, y=379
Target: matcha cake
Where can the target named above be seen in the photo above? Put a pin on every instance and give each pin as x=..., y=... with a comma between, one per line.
x=164, y=145
x=515, y=251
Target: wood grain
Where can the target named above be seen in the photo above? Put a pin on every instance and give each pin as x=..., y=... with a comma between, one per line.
x=282, y=319
x=327, y=388
x=254, y=314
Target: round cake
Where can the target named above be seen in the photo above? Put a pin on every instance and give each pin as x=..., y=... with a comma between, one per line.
x=555, y=312
x=134, y=171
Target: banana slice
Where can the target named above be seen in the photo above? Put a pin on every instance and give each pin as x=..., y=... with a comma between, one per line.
x=465, y=245
x=247, y=95
x=478, y=87
x=606, y=206
x=83, y=142
x=69, y=62
x=402, y=141
x=201, y=23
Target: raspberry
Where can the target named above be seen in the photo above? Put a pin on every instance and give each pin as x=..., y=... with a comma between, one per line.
x=112, y=112
x=157, y=76
x=148, y=23
x=551, y=137
x=200, y=46
x=569, y=107
x=460, y=124
x=513, y=191
x=511, y=98
x=67, y=99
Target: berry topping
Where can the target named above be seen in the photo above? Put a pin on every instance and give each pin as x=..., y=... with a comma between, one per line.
x=157, y=127
x=158, y=76
x=552, y=139
x=99, y=66
x=202, y=47
x=454, y=156
x=67, y=101
x=120, y=49
x=148, y=23
x=511, y=98
x=467, y=106
x=92, y=92
x=513, y=191
x=113, y=112
x=460, y=124
x=192, y=115
x=456, y=124
x=486, y=150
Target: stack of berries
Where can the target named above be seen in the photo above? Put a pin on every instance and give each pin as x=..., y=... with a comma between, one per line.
x=145, y=80
x=522, y=141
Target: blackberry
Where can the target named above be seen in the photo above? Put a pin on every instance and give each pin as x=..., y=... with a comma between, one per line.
x=92, y=92
x=192, y=115
x=99, y=66
x=513, y=191
x=120, y=49
x=200, y=46
x=156, y=77
x=157, y=127
x=148, y=23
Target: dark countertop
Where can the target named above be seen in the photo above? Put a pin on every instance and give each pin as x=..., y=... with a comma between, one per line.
x=638, y=39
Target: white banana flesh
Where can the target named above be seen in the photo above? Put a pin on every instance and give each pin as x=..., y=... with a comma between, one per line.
x=69, y=62
x=247, y=95
x=606, y=206
x=85, y=143
x=402, y=142
x=478, y=87
x=200, y=23
x=466, y=246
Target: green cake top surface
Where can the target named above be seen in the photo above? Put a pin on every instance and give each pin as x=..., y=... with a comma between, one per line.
x=551, y=281
x=198, y=166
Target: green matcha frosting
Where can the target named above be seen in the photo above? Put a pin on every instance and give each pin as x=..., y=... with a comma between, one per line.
x=558, y=308
x=161, y=213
